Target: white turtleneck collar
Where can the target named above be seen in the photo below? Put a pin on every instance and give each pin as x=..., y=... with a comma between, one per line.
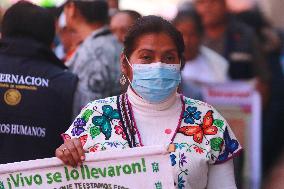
x=140, y=104
x=156, y=122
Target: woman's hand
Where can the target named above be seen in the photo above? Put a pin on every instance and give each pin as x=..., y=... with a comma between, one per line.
x=71, y=152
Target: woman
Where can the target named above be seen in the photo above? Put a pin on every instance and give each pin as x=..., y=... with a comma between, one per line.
x=151, y=112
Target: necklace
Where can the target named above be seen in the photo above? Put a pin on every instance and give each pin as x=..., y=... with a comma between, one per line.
x=132, y=117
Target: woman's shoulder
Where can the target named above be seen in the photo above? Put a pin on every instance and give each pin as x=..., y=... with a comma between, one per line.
x=95, y=118
x=200, y=116
x=198, y=110
x=196, y=103
x=99, y=107
x=109, y=101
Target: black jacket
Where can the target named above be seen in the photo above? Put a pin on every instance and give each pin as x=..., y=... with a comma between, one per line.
x=36, y=98
x=243, y=52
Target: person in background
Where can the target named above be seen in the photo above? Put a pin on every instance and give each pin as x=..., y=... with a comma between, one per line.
x=236, y=42
x=69, y=42
x=202, y=65
x=66, y=39
x=36, y=89
x=158, y=115
x=119, y=25
x=113, y=7
x=272, y=45
x=122, y=21
x=96, y=61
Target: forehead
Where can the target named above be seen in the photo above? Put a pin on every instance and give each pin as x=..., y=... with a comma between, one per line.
x=209, y=1
x=185, y=23
x=155, y=42
x=121, y=19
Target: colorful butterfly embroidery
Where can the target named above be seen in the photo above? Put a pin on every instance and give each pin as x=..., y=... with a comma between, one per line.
x=231, y=145
x=205, y=128
x=191, y=114
x=83, y=139
x=104, y=121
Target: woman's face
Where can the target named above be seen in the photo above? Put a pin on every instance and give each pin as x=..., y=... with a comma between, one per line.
x=151, y=48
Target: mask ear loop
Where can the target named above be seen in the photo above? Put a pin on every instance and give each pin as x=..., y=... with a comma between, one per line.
x=128, y=62
x=131, y=68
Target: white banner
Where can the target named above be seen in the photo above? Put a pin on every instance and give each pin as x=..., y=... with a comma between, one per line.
x=144, y=167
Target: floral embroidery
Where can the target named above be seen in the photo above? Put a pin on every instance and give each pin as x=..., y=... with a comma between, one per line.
x=78, y=127
x=181, y=182
x=182, y=159
x=199, y=132
x=119, y=131
x=173, y=159
x=1, y=185
x=191, y=114
x=80, y=122
x=104, y=121
x=83, y=139
x=219, y=123
x=77, y=131
x=198, y=150
x=109, y=145
x=94, y=148
x=95, y=131
x=113, y=144
x=216, y=144
x=87, y=114
x=190, y=147
x=179, y=145
x=188, y=101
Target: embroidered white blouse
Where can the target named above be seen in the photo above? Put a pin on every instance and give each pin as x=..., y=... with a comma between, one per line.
x=204, y=141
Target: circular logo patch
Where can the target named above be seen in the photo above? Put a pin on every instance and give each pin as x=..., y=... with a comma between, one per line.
x=12, y=97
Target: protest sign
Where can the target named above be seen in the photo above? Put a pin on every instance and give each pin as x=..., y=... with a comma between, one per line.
x=144, y=167
x=240, y=105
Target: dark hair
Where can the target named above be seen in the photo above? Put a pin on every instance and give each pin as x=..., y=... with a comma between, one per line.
x=25, y=19
x=152, y=24
x=189, y=15
x=93, y=11
x=55, y=11
x=133, y=14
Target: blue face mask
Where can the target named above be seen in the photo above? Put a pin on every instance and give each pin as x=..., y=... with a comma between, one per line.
x=155, y=82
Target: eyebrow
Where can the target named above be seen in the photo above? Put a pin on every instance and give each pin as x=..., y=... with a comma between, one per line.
x=170, y=50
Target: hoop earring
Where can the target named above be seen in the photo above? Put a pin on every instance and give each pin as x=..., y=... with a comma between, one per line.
x=123, y=80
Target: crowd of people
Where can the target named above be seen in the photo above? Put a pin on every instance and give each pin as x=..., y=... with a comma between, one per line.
x=100, y=69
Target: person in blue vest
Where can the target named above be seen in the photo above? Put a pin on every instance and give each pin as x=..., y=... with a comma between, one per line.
x=36, y=90
x=152, y=112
